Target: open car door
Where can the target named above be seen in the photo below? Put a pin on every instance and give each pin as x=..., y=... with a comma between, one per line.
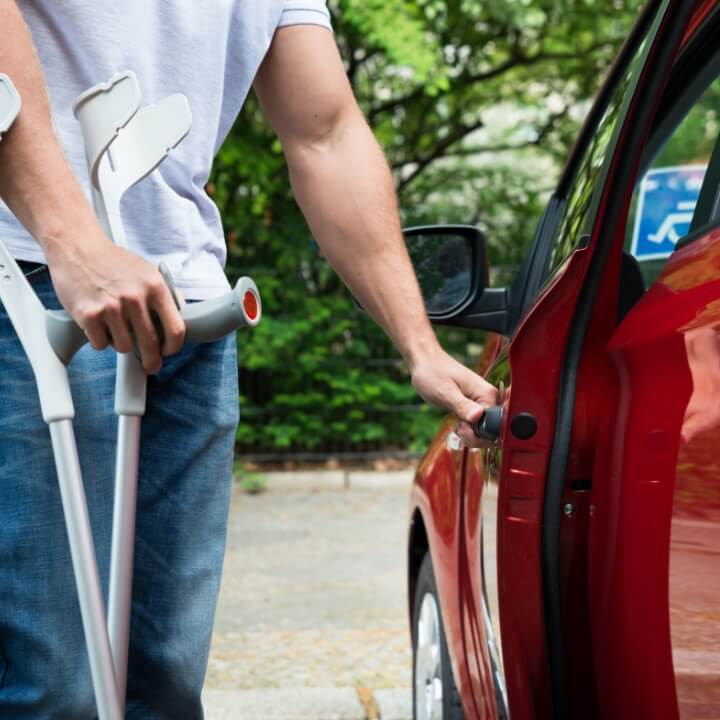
x=528, y=502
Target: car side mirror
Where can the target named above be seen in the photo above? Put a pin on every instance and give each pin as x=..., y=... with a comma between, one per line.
x=451, y=265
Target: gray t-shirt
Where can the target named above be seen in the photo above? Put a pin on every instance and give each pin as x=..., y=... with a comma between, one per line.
x=210, y=51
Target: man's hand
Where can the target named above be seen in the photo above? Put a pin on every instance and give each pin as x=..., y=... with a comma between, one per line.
x=344, y=187
x=113, y=294
x=443, y=381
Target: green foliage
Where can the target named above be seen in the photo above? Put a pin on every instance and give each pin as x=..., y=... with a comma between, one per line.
x=252, y=483
x=397, y=27
x=692, y=142
x=476, y=104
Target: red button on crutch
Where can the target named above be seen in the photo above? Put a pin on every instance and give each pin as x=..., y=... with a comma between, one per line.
x=251, y=305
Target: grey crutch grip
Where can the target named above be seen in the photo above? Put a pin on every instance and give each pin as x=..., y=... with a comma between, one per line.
x=204, y=321
x=64, y=336
x=212, y=319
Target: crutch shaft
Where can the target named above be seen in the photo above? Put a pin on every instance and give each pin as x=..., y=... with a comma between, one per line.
x=122, y=552
x=87, y=578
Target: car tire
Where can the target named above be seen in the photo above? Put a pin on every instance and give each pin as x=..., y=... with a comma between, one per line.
x=435, y=695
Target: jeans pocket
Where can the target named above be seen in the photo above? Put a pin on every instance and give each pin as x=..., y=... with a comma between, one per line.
x=38, y=275
x=33, y=270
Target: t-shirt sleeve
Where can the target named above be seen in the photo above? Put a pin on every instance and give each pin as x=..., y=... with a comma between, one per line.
x=305, y=12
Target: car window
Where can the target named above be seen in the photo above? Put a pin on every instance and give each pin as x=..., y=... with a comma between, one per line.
x=578, y=213
x=571, y=209
x=665, y=199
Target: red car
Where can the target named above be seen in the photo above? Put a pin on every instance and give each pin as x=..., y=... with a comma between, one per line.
x=572, y=570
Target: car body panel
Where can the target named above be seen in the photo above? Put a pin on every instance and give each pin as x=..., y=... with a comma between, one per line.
x=636, y=393
x=435, y=502
x=662, y=500
x=538, y=343
x=574, y=682
x=484, y=654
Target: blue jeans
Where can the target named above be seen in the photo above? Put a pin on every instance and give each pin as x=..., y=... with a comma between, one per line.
x=183, y=499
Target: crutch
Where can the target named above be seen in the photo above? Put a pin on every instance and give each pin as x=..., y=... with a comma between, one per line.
x=50, y=340
x=123, y=145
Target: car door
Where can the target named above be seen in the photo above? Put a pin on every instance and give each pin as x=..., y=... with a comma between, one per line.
x=655, y=530
x=517, y=549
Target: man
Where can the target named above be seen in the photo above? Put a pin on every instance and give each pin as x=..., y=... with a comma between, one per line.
x=212, y=52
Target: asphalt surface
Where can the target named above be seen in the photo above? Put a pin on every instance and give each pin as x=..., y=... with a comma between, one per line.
x=313, y=606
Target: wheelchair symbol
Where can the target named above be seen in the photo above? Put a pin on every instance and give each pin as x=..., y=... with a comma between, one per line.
x=682, y=216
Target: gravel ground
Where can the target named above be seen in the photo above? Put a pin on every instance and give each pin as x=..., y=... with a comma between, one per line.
x=314, y=592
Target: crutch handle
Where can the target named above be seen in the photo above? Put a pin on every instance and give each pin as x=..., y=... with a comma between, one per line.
x=212, y=319
x=204, y=321
x=64, y=335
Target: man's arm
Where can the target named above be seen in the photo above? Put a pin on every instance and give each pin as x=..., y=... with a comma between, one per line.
x=106, y=289
x=343, y=185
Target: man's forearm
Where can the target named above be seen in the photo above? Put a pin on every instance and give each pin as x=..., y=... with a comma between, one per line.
x=36, y=180
x=343, y=184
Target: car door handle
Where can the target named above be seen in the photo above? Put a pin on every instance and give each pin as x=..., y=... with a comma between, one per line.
x=488, y=427
x=523, y=426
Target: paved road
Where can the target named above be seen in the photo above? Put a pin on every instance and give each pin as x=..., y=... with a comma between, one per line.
x=313, y=594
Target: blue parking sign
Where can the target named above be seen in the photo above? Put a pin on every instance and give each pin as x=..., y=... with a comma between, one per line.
x=668, y=197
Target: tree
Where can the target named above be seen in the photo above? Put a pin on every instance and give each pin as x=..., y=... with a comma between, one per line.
x=476, y=104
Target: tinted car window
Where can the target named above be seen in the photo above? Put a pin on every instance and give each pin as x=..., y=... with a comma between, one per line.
x=574, y=223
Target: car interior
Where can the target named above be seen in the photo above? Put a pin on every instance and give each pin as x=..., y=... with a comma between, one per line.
x=686, y=133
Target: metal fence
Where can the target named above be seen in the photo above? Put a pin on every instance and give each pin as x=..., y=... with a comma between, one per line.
x=395, y=419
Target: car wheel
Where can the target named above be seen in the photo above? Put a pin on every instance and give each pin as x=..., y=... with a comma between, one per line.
x=435, y=696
